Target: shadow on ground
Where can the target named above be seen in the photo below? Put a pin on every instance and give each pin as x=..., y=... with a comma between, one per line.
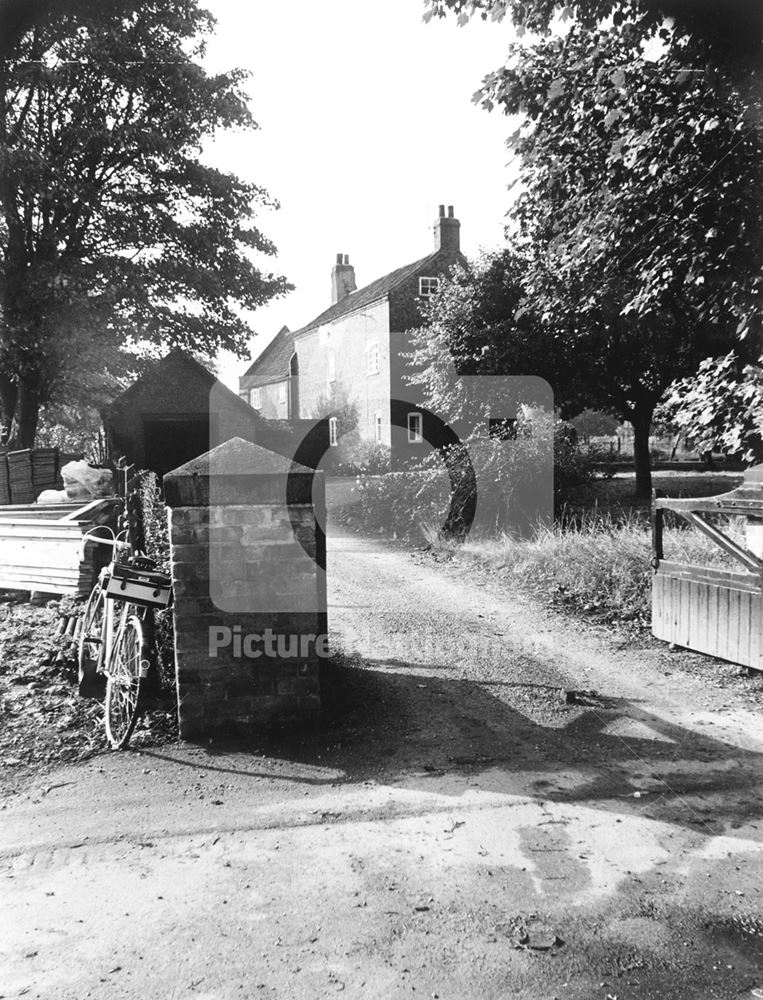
x=383, y=722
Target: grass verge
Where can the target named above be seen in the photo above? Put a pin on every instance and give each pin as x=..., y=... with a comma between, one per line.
x=603, y=566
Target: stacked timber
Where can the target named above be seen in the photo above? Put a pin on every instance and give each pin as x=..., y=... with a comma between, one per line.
x=20, y=475
x=44, y=469
x=5, y=482
x=41, y=546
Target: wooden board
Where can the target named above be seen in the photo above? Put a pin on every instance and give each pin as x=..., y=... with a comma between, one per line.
x=41, y=547
x=717, y=612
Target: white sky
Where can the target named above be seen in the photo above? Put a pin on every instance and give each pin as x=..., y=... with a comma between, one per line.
x=366, y=126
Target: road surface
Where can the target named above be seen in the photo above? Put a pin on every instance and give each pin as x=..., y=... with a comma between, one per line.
x=500, y=804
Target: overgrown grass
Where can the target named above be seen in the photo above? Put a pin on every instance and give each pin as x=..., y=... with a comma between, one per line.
x=602, y=566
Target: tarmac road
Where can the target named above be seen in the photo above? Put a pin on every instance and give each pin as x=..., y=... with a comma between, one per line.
x=500, y=804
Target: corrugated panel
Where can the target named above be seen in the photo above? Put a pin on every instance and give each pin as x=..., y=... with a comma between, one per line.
x=712, y=611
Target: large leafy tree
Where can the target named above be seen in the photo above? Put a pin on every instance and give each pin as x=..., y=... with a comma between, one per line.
x=115, y=235
x=640, y=215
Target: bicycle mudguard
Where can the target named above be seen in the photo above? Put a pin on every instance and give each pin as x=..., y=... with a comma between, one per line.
x=145, y=588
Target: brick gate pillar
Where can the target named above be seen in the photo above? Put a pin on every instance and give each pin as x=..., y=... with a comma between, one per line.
x=248, y=568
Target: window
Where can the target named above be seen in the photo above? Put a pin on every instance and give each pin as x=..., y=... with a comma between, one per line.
x=282, y=392
x=255, y=398
x=372, y=359
x=332, y=431
x=378, y=427
x=415, y=435
x=428, y=287
x=332, y=367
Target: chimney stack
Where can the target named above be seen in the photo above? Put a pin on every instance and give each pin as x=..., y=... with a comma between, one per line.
x=342, y=278
x=446, y=232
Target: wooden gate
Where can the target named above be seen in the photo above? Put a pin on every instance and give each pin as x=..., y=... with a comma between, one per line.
x=714, y=611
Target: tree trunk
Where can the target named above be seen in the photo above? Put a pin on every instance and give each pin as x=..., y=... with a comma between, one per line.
x=642, y=460
x=8, y=398
x=27, y=414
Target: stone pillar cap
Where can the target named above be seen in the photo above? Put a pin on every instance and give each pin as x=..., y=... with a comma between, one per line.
x=230, y=473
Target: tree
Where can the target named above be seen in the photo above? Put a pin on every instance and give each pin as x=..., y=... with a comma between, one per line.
x=115, y=235
x=640, y=217
x=722, y=403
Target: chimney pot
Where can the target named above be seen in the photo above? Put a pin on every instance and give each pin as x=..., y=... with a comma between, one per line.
x=342, y=278
x=446, y=233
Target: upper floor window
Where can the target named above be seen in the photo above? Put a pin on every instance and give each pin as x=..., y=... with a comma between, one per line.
x=428, y=287
x=282, y=393
x=372, y=359
x=333, y=431
x=332, y=367
x=415, y=428
x=255, y=398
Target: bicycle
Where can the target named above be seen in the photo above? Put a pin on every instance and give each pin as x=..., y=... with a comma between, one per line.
x=116, y=634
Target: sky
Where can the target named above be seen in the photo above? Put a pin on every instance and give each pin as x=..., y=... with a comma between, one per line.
x=366, y=125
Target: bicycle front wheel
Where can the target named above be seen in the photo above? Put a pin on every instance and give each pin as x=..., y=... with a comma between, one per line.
x=126, y=671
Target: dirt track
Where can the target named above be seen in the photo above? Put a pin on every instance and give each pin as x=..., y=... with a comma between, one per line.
x=460, y=828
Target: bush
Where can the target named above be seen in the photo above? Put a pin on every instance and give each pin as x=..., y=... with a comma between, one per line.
x=361, y=460
x=513, y=485
x=148, y=508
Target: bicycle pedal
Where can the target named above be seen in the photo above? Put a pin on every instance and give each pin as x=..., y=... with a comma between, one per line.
x=145, y=666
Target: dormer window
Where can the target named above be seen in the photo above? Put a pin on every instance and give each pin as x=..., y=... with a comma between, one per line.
x=428, y=287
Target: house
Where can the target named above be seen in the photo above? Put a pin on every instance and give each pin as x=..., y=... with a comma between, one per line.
x=178, y=410
x=348, y=363
x=269, y=385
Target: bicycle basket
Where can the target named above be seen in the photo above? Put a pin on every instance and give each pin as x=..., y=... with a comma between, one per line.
x=145, y=588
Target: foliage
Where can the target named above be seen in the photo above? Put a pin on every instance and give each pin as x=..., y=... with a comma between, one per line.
x=75, y=429
x=639, y=216
x=365, y=460
x=113, y=232
x=722, y=404
x=509, y=477
x=149, y=508
x=594, y=423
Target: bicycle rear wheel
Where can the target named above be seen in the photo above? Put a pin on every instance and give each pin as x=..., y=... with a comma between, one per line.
x=126, y=672
x=90, y=647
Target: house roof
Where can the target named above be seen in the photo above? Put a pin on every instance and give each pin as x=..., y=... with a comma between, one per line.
x=370, y=293
x=272, y=365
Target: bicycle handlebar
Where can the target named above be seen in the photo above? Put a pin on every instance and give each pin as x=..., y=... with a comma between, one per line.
x=114, y=542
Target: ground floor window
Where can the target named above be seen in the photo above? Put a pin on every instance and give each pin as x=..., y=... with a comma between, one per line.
x=332, y=431
x=378, y=427
x=415, y=435
x=255, y=398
